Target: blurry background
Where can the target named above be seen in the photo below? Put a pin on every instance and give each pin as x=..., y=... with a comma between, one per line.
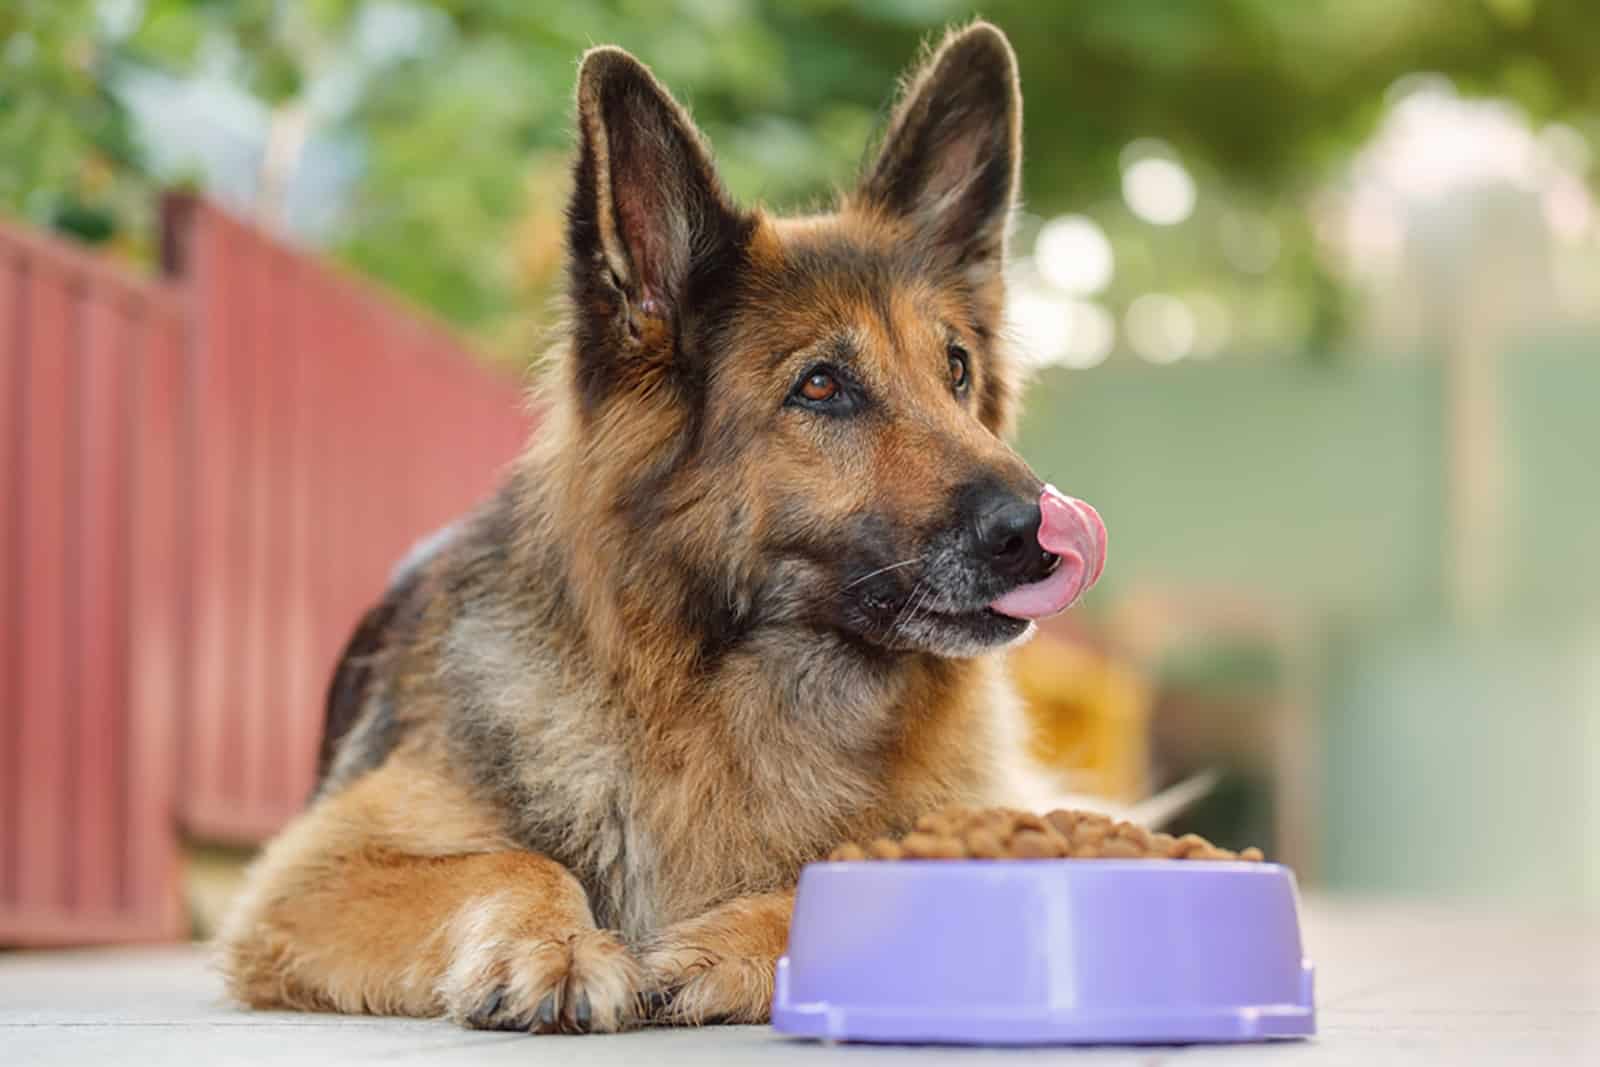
x=1312, y=292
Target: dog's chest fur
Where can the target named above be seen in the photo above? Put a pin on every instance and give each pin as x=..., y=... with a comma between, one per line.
x=661, y=812
x=546, y=754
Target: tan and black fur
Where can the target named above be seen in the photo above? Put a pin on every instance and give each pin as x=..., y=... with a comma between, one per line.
x=710, y=626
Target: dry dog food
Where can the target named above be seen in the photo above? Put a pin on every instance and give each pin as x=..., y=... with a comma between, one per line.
x=1001, y=834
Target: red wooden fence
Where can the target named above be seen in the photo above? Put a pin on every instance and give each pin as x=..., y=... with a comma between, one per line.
x=205, y=479
x=333, y=430
x=90, y=466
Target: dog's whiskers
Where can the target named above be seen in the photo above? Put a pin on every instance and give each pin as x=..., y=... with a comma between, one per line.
x=895, y=625
x=920, y=605
x=908, y=610
x=881, y=570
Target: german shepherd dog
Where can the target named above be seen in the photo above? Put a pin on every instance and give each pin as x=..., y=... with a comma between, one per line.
x=739, y=601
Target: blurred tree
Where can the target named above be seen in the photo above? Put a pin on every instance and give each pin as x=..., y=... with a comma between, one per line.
x=69, y=157
x=461, y=111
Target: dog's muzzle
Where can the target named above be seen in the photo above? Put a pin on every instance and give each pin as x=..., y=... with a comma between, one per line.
x=1068, y=530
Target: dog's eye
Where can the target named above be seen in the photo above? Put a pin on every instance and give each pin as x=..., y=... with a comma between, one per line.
x=958, y=367
x=819, y=387
x=826, y=390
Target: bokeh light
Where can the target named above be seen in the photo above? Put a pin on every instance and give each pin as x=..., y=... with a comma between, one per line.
x=1037, y=323
x=1073, y=254
x=1091, y=335
x=1161, y=328
x=1158, y=189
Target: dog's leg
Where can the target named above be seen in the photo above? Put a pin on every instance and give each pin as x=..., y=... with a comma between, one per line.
x=719, y=967
x=350, y=911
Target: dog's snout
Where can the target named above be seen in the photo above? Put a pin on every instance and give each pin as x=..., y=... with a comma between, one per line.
x=1007, y=536
x=1007, y=531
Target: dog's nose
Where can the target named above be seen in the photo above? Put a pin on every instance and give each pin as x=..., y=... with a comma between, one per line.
x=1008, y=539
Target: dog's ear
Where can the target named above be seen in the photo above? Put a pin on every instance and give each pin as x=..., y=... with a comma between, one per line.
x=952, y=151
x=647, y=211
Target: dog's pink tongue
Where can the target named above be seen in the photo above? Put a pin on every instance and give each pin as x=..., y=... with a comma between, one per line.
x=1072, y=530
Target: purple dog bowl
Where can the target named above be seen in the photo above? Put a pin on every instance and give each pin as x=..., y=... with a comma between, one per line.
x=1038, y=952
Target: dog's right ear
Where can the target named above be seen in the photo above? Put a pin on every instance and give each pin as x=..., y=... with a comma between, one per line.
x=949, y=162
x=647, y=212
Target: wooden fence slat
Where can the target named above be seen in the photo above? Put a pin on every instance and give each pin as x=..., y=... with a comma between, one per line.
x=300, y=691
x=330, y=529
x=256, y=322
x=13, y=342
x=47, y=555
x=232, y=777
x=216, y=547
x=280, y=430
x=100, y=643
x=159, y=616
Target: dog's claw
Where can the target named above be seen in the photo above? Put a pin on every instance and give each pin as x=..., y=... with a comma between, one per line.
x=483, y=1018
x=546, y=1015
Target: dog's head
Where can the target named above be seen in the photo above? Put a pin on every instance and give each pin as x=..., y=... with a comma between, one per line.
x=800, y=421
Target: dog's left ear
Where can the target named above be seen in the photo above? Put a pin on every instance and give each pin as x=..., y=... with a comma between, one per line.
x=647, y=214
x=952, y=151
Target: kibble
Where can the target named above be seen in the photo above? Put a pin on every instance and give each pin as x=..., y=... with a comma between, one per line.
x=984, y=844
x=884, y=849
x=1121, y=848
x=929, y=846
x=1001, y=833
x=1033, y=845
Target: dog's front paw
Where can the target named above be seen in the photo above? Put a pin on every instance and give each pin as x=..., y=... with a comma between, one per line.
x=688, y=986
x=587, y=982
x=718, y=967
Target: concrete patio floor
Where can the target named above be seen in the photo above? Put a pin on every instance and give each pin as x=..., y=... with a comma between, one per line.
x=1397, y=984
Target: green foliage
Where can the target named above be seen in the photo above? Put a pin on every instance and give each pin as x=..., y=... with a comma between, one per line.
x=462, y=137
x=69, y=160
